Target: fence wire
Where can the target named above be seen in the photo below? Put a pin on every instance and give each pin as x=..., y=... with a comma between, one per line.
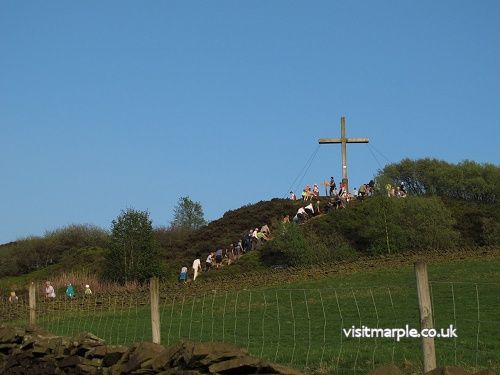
x=299, y=327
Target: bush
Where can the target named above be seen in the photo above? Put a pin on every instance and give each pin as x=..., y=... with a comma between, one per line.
x=388, y=225
x=490, y=234
x=467, y=180
x=134, y=254
x=293, y=246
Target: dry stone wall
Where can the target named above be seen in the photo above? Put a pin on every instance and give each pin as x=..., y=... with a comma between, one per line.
x=38, y=352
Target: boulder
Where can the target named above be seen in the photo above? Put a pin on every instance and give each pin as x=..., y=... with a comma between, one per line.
x=11, y=335
x=86, y=369
x=240, y=365
x=113, y=357
x=71, y=361
x=141, y=353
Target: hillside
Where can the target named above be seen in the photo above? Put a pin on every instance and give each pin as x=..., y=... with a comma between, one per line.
x=449, y=206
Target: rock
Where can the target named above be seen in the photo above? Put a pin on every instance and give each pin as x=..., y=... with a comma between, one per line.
x=87, y=338
x=141, y=353
x=113, y=357
x=71, y=361
x=389, y=369
x=95, y=362
x=86, y=369
x=164, y=360
x=448, y=370
x=46, y=345
x=176, y=371
x=38, y=352
x=6, y=348
x=208, y=353
x=11, y=335
x=240, y=365
x=117, y=369
x=148, y=364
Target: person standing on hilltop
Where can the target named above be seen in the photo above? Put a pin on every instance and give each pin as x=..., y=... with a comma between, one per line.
x=333, y=186
x=315, y=191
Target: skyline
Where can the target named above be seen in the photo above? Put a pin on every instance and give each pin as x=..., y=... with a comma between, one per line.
x=105, y=106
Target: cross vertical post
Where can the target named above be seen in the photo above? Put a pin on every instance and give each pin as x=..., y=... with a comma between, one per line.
x=344, y=152
x=343, y=140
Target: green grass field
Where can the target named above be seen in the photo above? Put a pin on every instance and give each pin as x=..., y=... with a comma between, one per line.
x=301, y=323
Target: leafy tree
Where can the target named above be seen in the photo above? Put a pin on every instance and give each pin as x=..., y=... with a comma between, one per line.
x=467, y=180
x=390, y=225
x=134, y=254
x=188, y=214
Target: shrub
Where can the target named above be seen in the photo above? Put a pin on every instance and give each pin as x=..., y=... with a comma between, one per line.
x=293, y=246
x=134, y=254
x=385, y=225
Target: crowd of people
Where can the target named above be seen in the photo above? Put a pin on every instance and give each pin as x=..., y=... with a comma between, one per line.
x=396, y=191
x=49, y=292
x=251, y=240
x=338, y=198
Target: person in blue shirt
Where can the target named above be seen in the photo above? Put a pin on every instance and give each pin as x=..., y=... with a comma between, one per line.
x=183, y=275
x=70, y=291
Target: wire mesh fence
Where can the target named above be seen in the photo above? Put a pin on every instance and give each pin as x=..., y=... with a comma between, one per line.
x=299, y=327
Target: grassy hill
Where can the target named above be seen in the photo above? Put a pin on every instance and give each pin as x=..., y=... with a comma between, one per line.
x=375, y=226
x=295, y=316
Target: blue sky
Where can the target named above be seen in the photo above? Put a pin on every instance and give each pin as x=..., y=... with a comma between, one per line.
x=106, y=105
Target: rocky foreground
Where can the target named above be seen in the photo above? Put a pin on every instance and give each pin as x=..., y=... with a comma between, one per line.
x=27, y=351
x=38, y=352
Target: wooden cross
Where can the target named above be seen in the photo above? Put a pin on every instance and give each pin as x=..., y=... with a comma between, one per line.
x=343, y=140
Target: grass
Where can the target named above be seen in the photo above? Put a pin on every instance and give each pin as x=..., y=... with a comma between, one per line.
x=300, y=323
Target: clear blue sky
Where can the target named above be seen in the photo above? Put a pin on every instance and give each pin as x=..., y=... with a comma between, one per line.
x=112, y=104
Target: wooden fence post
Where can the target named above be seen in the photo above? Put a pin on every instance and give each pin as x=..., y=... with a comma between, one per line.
x=32, y=304
x=154, y=287
x=424, y=305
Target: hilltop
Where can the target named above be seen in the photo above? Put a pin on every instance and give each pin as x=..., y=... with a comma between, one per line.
x=448, y=206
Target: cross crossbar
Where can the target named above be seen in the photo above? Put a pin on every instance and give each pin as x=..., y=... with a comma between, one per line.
x=339, y=140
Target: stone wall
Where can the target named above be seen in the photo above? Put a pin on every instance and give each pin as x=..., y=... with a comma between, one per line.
x=44, y=353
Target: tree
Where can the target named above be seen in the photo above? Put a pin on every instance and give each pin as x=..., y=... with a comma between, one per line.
x=467, y=180
x=188, y=214
x=134, y=254
x=389, y=225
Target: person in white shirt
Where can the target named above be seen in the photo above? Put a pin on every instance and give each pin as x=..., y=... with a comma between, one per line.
x=49, y=290
x=196, y=268
x=309, y=209
x=301, y=216
x=208, y=262
x=355, y=193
